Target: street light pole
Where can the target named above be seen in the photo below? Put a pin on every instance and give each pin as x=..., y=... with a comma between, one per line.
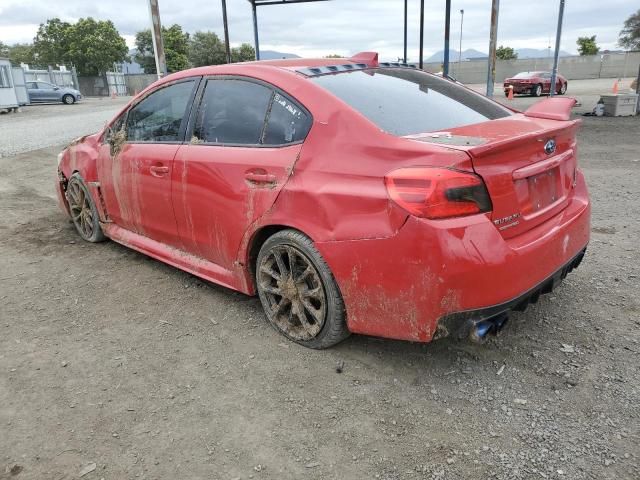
x=460, y=47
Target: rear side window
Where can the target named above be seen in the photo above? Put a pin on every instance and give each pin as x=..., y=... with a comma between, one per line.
x=158, y=118
x=241, y=112
x=287, y=122
x=403, y=101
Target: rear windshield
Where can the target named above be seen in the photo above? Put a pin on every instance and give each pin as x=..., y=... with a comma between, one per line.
x=525, y=75
x=403, y=101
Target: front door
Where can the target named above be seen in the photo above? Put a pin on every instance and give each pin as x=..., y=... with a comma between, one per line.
x=135, y=164
x=246, y=140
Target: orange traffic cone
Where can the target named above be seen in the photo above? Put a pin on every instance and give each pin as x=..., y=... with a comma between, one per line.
x=510, y=95
x=615, y=87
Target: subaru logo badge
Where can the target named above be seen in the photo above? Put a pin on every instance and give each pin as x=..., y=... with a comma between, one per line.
x=550, y=147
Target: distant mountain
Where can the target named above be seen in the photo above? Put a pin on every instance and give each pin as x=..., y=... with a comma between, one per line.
x=274, y=55
x=453, y=55
x=538, y=53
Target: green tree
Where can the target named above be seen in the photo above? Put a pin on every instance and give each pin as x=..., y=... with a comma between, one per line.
x=4, y=50
x=630, y=34
x=206, y=48
x=176, y=49
x=243, y=53
x=333, y=55
x=94, y=46
x=506, y=53
x=22, y=53
x=51, y=42
x=587, y=45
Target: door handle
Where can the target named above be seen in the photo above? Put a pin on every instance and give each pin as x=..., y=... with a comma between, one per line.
x=255, y=177
x=158, y=170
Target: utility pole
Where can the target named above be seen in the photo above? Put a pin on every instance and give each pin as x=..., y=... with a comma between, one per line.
x=156, y=37
x=447, y=28
x=460, y=46
x=554, y=73
x=421, y=31
x=493, y=41
x=227, y=47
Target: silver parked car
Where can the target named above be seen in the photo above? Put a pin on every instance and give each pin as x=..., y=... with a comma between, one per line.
x=48, y=92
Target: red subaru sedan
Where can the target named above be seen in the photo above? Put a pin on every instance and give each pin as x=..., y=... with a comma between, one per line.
x=352, y=196
x=535, y=83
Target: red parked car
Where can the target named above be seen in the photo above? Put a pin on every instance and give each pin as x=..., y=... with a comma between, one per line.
x=358, y=197
x=535, y=83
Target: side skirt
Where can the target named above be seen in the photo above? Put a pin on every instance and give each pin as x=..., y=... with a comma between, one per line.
x=178, y=258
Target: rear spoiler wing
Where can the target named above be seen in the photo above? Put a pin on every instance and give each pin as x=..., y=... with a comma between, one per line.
x=553, y=108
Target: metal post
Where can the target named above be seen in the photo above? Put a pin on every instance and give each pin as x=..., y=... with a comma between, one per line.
x=421, y=32
x=156, y=37
x=405, y=32
x=447, y=28
x=493, y=41
x=554, y=73
x=255, y=30
x=638, y=92
x=460, y=47
x=227, y=47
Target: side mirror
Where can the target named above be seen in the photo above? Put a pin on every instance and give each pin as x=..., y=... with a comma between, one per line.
x=56, y=88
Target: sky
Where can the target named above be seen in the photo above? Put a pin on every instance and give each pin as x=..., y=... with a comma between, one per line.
x=341, y=26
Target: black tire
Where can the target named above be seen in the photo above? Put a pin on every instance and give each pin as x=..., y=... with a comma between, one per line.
x=563, y=89
x=68, y=99
x=306, y=305
x=84, y=213
x=536, y=91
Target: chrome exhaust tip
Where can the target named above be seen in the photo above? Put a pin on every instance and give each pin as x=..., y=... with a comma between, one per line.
x=491, y=326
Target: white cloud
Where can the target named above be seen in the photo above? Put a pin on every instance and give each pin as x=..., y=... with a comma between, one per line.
x=339, y=26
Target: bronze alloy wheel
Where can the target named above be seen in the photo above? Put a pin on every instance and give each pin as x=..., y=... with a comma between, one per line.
x=295, y=297
x=83, y=212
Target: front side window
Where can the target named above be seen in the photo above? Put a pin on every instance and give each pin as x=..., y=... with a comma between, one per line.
x=159, y=117
x=32, y=85
x=233, y=112
x=45, y=86
x=404, y=101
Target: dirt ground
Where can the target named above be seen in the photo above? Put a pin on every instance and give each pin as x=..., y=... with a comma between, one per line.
x=117, y=365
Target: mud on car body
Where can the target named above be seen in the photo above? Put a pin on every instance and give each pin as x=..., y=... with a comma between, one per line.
x=352, y=196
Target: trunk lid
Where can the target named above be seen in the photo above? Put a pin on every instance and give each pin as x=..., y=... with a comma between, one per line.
x=528, y=165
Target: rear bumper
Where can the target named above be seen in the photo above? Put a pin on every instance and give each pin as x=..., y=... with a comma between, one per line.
x=459, y=324
x=402, y=286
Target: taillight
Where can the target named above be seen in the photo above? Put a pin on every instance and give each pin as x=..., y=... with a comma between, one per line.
x=437, y=192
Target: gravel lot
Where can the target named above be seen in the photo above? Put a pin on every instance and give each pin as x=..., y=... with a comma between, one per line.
x=39, y=126
x=117, y=364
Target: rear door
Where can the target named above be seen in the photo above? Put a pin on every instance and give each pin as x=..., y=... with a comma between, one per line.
x=246, y=138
